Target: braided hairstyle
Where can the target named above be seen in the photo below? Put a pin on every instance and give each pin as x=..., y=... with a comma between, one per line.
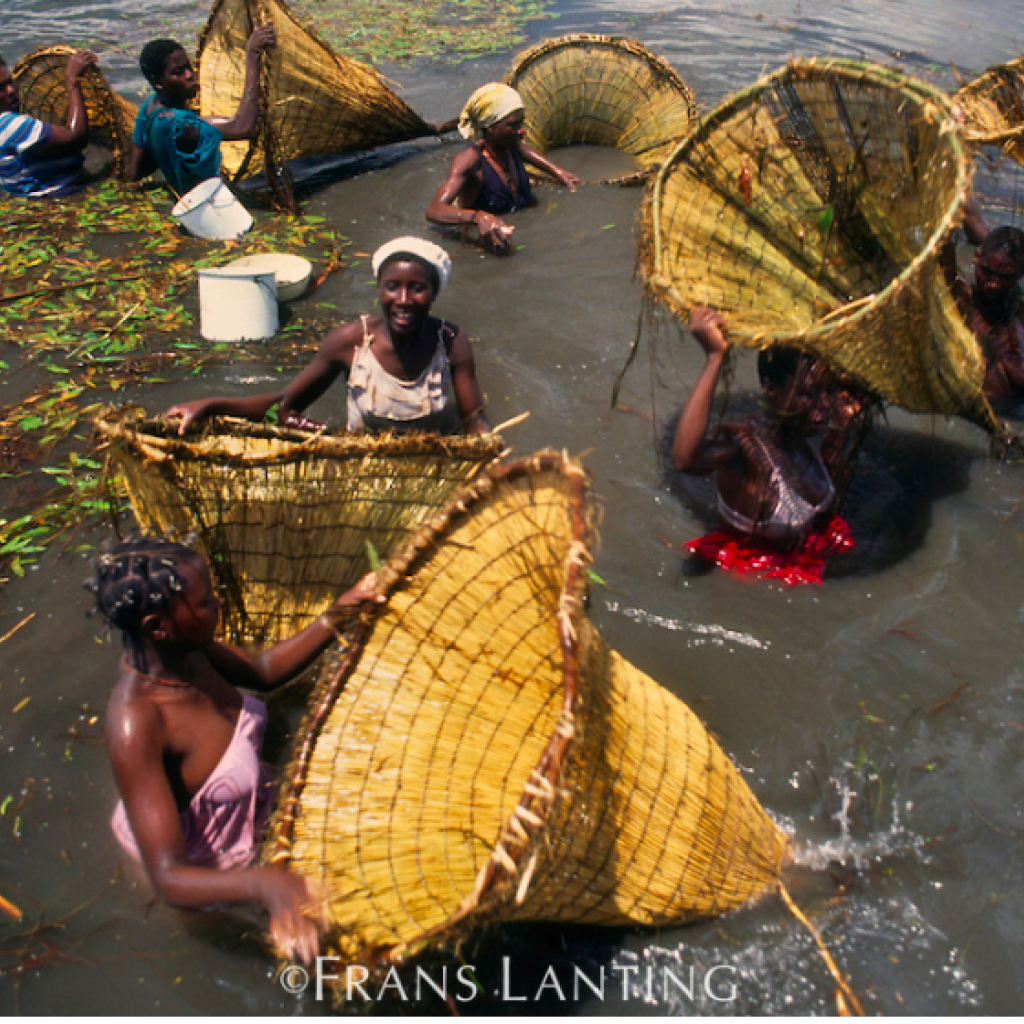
x=135, y=579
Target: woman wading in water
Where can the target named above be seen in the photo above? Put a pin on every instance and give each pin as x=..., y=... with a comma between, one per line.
x=405, y=369
x=776, y=492
x=185, y=743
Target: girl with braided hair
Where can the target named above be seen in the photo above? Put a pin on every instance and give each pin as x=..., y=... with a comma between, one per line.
x=184, y=743
x=776, y=490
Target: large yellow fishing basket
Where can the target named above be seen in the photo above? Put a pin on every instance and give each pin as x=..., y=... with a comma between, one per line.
x=605, y=91
x=285, y=517
x=41, y=77
x=811, y=209
x=479, y=755
x=313, y=101
x=993, y=105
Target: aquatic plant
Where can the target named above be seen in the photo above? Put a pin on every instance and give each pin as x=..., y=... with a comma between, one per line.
x=98, y=299
x=452, y=30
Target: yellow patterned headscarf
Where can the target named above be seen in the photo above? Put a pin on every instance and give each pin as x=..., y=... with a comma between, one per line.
x=488, y=105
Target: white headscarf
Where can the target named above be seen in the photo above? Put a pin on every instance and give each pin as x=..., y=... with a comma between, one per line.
x=487, y=106
x=422, y=249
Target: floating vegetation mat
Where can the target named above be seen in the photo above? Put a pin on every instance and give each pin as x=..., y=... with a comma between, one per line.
x=811, y=209
x=604, y=91
x=98, y=296
x=455, y=30
x=479, y=755
x=287, y=520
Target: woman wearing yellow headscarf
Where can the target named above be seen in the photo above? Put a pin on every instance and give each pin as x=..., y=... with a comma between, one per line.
x=489, y=177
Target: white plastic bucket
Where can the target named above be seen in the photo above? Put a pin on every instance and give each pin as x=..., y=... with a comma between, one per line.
x=237, y=304
x=210, y=210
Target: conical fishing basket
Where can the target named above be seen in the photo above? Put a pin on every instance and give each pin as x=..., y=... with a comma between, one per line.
x=811, y=210
x=605, y=91
x=479, y=755
x=286, y=519
x=313, y=102
x=993, y=105
x=41, y=77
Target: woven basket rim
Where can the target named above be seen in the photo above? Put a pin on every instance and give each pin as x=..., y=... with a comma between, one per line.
x=978, y=86
x=635, y=48
x=265, y=138
x=131, y=423
x=508, y=854
x=114, y=105
x=852, y=71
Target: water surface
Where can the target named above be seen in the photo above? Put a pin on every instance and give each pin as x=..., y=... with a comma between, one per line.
x=880, y=717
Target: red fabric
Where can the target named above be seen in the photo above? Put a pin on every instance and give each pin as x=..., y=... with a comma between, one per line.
x=744, y=555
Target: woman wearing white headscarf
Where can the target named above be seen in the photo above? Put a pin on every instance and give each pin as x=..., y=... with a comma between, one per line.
x=405, y=369
x=489, y=177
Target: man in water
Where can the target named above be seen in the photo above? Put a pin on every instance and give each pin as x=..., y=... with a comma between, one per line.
x=38, y=158
x=992, y=306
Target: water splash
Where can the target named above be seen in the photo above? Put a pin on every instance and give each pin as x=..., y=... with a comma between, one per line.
x=702, y=632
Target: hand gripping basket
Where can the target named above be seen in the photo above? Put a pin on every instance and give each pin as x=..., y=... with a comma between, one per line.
x=811, y=209
x=284, y=517
x=41, y=77
x=605, y=91
x=313, y=102
x=479, y=755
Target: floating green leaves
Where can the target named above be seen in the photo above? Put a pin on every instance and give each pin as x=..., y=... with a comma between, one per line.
x=97, y=295
x=451, y=30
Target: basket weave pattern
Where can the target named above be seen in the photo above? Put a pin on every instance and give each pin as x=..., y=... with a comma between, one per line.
x=810, y=209
x=994, y=107
x=480, y=755
x=313, y=102
x=284, y=517
x=41, y=77
x=605, y=91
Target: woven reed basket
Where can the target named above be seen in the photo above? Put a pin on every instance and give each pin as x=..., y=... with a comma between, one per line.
x=811, y=209
x=994, y=107
x=284, y=517
x=606, y=91
x=313, y=102
x=41, y=77
x=479, y=755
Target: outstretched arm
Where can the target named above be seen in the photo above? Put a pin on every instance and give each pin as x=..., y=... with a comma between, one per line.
x=243, y=124
x=331, y=360
x=560, y=174
x=453, y=202
x=691, y=450
x=309, y=385
x=271, y=668
x=72, y=136
x=191, y=414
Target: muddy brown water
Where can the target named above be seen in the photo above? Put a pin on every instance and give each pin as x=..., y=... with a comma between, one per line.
x=879, y=717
